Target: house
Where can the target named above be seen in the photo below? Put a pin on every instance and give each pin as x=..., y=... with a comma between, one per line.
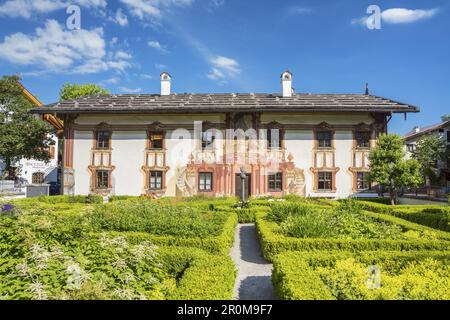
x=443, y=130
x=170, y=144
x=32, y=171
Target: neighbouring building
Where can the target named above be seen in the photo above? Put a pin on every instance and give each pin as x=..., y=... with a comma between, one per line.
x=170, y=144
x=441, y=129
x=32, y=171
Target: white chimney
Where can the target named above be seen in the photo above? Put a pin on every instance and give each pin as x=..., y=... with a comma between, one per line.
x=166, y=80
x=416, y=129
x=286, y=84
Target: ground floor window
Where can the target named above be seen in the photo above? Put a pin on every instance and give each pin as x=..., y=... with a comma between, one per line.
x=276, y=182
x=205, y=181
x=363, y=182
x=102, y=179
x=37, y=178
x=325, y=181
x=156, y=180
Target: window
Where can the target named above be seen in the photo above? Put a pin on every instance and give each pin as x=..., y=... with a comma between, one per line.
x=103, y=138
x=156, y=140
x=362, y=139
x=411, y=147
x=324, y=139
x=37, y=178
x=207, y=139
x=205, y=181
x=156, y=180
x=276, y=182
x=448, y=136
x=362, y=181
x=325, y=181
x=102, y=179
x=273, y=139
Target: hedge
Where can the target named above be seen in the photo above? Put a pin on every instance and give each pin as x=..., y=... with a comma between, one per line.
x=201, y=276
x=437, y=217
x=61, y=199
x=295, y=278
x=216, y=244
x=273, y=242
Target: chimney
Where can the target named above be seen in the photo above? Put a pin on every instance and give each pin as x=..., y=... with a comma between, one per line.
x=416, y=129
x=286, y=84
x=166, y=80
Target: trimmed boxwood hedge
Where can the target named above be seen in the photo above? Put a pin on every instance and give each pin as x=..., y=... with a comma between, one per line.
x=294, y=276
x=200, y=275
x=220, y=244
x=273, y=242
x=61, y=199
x=437, y=217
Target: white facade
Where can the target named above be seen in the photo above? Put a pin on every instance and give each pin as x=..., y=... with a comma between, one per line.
x=127, y=158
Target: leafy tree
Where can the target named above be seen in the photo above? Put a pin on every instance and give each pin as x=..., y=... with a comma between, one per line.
x=390, y=168
x=445, y=117
x=430, y=149
x=75, y=91
x=22, y=135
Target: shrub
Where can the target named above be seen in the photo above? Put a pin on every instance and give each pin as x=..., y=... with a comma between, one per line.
x=344, y=275
x=437, y=217
x=414, y=237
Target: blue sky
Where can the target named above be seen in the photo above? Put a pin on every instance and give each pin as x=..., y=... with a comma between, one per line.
x=235, y=46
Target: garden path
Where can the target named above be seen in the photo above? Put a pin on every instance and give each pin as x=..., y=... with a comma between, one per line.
x=253, y=281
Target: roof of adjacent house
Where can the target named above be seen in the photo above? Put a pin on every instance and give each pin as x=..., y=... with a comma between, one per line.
x=414, y=134
x=174, y=103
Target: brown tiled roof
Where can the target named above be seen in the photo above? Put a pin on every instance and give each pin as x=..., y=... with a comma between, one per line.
x=155, y=103
x=413, y=133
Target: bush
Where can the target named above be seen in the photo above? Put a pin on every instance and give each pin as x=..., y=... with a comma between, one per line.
x=61, y=199
x=414, y=237
x=345, y=276
x=437, y=217
x=199, y=275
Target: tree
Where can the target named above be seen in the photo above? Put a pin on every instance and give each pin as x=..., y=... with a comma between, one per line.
x=445, y=117
x=22, y=135
x=430, y=149
x=390, y=168
x=75, y=91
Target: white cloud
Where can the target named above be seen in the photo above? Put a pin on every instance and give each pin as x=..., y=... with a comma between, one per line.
x=158, y=46
x=28, y=8
x=223, y=68
x=113, y=80
x=297, y=10
x=153, y=9
x=121, y=18
x=400, y=15
x=146, y=76
x=130, y=90
x=56, y=50
x=122, y=55
x=113, y=41
x=160, y=66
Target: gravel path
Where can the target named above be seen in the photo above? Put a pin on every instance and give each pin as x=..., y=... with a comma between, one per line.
x=254, y=272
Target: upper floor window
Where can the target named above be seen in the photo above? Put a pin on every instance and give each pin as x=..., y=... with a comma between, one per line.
x=324, y=139
x=103, y=139
x=207, y=139
x=273, y=138
x=362, y=139
x=156, y=140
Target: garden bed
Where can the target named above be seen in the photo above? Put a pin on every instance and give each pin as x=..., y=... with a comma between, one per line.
x=364, y=276
x=303, y=228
